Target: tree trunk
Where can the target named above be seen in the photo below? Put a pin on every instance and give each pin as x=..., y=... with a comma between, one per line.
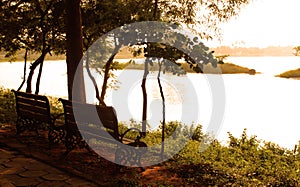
x=37, y=62
x=164, y=111
x=101, y=101
x=25, y=66
x=37, y=86
x=74, y=51
x=155, y=10
x=106, y=76
x=107, y=69
x=144, y=115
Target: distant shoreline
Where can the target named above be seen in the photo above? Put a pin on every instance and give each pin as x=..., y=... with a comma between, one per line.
x=291, y=74
x=226, y=68
x=125, y=53
x=254, y=51
x=58, y=58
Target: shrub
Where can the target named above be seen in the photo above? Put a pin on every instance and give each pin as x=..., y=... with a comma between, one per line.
x=243, y=162
x=7, y=107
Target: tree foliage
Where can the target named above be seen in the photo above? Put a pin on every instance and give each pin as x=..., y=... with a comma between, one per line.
x=296, y=51
x=203, y=17
x=39, y=26
x=32, y=25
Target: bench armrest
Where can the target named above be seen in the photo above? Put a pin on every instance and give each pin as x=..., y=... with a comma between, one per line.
x=137, y=139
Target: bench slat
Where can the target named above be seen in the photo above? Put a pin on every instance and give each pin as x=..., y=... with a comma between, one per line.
x=35, y=116
x=99, y=136
x=93, y=114
x=93, y=121
x=85, y=122
x=32, y=109
x=33, y=102
x=39, y=110
x=30, y=95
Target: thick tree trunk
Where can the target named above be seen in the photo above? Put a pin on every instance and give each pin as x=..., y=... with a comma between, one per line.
x=74, y=51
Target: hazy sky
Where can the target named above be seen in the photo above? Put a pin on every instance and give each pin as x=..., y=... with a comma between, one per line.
x=263, y=23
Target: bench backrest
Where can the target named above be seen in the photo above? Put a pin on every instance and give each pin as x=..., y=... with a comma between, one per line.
x=78, y=115
x=32, y=106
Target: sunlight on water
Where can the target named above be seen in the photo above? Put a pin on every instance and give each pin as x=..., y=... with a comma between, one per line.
x=53, y=80
x=268, y=65
x=129, y=97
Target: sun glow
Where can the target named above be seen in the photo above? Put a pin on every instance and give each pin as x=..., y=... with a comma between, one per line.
x=263, y=23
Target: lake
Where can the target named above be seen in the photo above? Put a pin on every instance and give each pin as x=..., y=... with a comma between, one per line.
x=267, y=106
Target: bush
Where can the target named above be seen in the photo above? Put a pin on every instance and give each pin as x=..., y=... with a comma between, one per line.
x=7, y=107
x=243, y=162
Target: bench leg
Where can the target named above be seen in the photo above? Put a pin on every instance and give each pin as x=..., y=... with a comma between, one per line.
x=70, y=144
x=56, y=135
x=26, y=124
x=18, y=126
x=72, y=140
x=122, y=156
x=131, y=154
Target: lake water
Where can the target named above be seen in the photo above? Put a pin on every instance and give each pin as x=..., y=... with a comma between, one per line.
x=267, y=106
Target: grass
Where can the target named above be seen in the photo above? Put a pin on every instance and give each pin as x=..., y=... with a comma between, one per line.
x=290, y=74
x=243, y=161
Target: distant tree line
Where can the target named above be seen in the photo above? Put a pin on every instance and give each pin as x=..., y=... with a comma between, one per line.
x=255, y=51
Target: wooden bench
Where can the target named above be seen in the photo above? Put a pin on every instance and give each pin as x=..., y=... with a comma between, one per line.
x=85, y=122
x=33, y=113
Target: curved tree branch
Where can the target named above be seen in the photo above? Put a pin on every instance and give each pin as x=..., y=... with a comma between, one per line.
x=101, y=101
x=32, y=68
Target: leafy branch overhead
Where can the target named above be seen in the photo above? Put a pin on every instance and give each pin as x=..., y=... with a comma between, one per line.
x=160, y=41
x=32, y=25
x=40, y=27
x=173, y=57
x=23, y=23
